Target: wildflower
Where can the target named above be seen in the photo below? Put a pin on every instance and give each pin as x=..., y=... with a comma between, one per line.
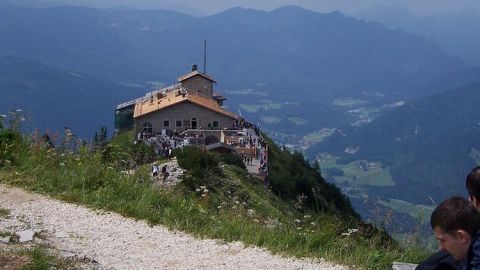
x=313, y=223
x=350, y=231
x=109, y=168
x=250, y=212
x=62, y=164
x=197, y=190
x=298, y=221
x=219, y=207
x=3, y=116
x=236, y=202
x=256, y=220
x=307, y=216
x=203, y=195
x=299, y=228
x=346, y=234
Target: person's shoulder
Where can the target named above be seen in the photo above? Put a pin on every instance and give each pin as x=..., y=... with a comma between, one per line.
x=441, y=260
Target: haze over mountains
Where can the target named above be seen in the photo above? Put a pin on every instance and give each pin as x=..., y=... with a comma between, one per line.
x=53, y=99
x=298, y=60
x=456, y=32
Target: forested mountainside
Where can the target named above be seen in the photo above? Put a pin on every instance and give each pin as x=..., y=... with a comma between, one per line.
x=428, y=145
x=53, y=99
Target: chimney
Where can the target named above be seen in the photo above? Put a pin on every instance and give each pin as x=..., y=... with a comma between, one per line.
x=194, y=67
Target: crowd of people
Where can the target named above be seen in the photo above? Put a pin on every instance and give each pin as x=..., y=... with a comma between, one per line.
x=456, y=225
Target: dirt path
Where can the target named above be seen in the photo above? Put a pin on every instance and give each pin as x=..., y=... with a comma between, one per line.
x=116, y=242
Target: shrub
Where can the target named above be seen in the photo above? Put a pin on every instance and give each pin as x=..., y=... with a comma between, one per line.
x=198, y=162
x=233, y=159
x=10, y=147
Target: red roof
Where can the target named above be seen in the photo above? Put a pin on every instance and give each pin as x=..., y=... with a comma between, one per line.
x=159, y=102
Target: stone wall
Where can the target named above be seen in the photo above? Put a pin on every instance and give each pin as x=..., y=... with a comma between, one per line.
x=183, y=112
x=200, y=85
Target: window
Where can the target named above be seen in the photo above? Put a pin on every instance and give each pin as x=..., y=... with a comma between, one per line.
x=147, y=128
x=166, y=123
x=178, y=123
x=215, y=124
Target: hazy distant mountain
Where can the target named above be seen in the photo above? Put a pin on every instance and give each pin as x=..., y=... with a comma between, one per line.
x=429, y=145
x=53, y=99
x=456, y=32
x=302, y=59
x=285, y=49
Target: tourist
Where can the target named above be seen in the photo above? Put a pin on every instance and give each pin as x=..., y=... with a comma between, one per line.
x=164, y=172
x=456, y=223
x=442, y=259
x=154, y=170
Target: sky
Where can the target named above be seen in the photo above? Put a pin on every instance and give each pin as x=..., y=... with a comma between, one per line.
x=208, y=7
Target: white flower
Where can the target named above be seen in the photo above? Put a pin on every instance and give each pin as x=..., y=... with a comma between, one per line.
x=197, y=190
x=313, y=223
x=298, y=221
x=236, y=202
x=350, y=231
x=62, y=164
x=307, y=216
x=345, y=234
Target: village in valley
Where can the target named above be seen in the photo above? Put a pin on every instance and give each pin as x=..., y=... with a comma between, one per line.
x=191, y=113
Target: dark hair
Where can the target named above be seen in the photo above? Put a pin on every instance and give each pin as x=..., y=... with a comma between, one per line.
x=473, y=183
x=456, y=213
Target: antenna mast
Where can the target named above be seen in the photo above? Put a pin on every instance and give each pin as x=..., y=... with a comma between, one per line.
x=205, y=56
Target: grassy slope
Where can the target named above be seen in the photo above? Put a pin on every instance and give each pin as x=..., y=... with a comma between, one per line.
x=225, y=203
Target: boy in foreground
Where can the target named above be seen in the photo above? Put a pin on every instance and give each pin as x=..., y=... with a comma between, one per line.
x=456, y=224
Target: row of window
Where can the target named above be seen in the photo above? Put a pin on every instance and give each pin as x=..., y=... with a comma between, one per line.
x=178, y=123
x=147, y=127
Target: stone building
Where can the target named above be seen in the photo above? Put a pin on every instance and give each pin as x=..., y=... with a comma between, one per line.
x=189, y=104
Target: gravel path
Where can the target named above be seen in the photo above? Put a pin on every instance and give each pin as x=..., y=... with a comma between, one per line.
x=116, y=242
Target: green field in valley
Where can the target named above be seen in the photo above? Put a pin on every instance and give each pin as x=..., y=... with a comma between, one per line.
x=298, y=121
x=421, y=213
x=348, y=102
x=358, y=172
x=318, y=136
